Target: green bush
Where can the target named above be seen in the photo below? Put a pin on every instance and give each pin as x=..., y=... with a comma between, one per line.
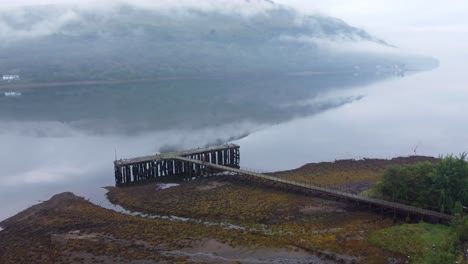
x=428, y=185
x=450, y=182
x=408, y=183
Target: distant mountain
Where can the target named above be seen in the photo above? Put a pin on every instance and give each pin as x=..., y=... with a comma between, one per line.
x=64, y=43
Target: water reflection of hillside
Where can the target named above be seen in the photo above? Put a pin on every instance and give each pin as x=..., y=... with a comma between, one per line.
x=184, y=104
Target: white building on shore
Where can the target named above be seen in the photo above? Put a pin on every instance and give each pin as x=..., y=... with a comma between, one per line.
x=10, y=78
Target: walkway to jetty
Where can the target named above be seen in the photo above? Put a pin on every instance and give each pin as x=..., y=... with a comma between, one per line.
x=225, y=158
x=381, y=204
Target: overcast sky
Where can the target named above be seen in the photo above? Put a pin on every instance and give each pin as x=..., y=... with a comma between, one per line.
x=437, y=27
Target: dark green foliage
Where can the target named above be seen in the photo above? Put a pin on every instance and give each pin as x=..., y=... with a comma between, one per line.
x=408, y=183
x=459, y=223
x=450, y=182
x=462, y=231
x=441, y=186
x=435, y=186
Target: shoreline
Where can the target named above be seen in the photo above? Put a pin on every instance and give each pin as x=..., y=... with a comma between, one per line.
x=354, y=187
x=272, y=219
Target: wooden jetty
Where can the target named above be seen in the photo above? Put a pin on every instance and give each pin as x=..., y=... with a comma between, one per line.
x=371, y=203
x=167, y=167
x=201, y=162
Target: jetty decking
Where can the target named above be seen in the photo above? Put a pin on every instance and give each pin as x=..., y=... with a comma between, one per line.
x=199, y=162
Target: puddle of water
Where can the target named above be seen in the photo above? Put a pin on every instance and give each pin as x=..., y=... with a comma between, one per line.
x=163, y=186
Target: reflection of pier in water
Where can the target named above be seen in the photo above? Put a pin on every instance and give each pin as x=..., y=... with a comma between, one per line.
x=225, y=158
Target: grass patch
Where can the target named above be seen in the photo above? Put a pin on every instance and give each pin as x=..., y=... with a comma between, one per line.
x=372, y=192
x=416, y=240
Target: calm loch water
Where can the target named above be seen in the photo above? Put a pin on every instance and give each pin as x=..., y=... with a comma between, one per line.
x=65, y=139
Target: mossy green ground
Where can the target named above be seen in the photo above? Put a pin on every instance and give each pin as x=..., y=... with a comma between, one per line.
x=333, y=174
x=416, y=241
x=289, y=218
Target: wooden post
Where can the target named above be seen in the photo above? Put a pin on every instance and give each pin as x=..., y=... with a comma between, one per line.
x=150, y=169
x=197, y=170
x=166, y=167
x=146, y=169
x=118, y=175
x=231, y=155
x=123, y=175
x=190, y=169
x=127, y=174
x=140, y=171
x=170, y=165
x=161, y=168
x=187, y=169
x=176, y=167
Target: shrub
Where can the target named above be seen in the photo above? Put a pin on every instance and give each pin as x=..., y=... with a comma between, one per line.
x=428, y=185
x=450, y=182
x=408, y=183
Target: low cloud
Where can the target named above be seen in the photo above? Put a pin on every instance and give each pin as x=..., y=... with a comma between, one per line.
x=16, y=22
x=325, y=102
x=243, y=7
x=341, y=43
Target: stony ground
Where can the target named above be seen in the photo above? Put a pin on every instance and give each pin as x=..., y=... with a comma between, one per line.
x=280, y=224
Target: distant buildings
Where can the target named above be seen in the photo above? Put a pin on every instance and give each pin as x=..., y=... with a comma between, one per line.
x=10, y=77
x=12, y=94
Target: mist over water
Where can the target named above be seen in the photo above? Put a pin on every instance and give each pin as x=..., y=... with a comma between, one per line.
x=65, y=138
x=57, y=139
x=423, y=114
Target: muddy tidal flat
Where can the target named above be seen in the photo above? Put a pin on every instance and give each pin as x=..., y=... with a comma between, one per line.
x=222, y=219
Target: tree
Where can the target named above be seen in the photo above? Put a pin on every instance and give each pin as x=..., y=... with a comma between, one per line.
x=450, y=182
x=443, y=185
